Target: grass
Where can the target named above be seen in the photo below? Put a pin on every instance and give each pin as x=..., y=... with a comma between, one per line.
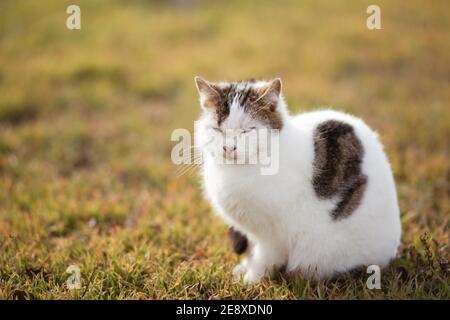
x=86, y=117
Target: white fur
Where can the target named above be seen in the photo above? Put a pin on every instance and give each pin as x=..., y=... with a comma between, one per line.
x=286, y=223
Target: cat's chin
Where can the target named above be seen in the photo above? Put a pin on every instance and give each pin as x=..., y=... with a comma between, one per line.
x=230, y=161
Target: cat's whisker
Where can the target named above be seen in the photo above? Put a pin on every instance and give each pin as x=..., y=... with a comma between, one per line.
x=181, y=170
x=186, y=170
x=195, y=160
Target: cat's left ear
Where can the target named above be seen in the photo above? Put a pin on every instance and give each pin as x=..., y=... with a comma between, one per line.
x=270, y=93
x=275, y=87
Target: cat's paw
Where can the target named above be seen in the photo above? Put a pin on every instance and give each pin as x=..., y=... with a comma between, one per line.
x=251, y=277
x=239, y=270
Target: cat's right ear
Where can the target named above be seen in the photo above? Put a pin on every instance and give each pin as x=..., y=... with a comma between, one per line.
x=209, y=95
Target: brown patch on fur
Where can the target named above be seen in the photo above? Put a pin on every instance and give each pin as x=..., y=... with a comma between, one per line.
x=238, y=241
x=263, y=107
x=337, y=166
x=226, y=98
x=351, y=197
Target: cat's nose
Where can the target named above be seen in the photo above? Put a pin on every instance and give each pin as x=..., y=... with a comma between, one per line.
x=229, y=149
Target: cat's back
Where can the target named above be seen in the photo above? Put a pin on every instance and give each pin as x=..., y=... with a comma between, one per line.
x=341, y=133
x=350, y=168
x=348, y=163
x=311, y=120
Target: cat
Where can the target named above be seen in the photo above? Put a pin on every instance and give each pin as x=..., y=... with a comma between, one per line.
x=330, y=208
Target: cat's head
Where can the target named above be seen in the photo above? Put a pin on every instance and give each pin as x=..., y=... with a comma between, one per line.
x=234, y=113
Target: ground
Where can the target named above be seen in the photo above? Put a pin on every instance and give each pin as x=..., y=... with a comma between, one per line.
x=86, y=117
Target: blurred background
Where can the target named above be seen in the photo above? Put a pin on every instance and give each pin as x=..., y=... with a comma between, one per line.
x=86, y=117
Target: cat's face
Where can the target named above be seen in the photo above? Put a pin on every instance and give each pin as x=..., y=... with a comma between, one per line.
x=237, y=116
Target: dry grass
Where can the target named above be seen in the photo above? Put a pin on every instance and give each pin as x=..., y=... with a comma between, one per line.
x=86, y=117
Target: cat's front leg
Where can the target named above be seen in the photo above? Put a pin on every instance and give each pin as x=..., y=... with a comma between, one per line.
x=263, y=262
x=241, y=268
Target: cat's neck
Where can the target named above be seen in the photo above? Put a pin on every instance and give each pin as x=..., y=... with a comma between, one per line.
x=283, y=110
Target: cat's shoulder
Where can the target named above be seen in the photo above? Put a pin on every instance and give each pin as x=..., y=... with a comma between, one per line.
x=316, y=117
x=332, y=120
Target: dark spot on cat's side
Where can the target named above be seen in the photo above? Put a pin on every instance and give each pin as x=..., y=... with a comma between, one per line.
x=337, y=166
x=351, y=197
x=238, y=241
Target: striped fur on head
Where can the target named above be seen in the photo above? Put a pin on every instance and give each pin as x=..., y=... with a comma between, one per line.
x=259, y=99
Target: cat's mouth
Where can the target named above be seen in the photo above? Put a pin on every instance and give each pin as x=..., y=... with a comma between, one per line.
x=235, y=157
x=229, y=156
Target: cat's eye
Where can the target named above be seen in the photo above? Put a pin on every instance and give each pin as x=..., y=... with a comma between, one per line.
x=248, y=129
x=217, y=129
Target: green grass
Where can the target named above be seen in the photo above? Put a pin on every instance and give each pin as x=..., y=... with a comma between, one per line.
x=86, y=117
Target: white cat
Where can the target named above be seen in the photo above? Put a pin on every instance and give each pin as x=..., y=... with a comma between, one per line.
x=332, y=205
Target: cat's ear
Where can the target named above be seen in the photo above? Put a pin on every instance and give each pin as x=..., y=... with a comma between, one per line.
x=209, y=94
x=270, y=93
x=275, y=87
